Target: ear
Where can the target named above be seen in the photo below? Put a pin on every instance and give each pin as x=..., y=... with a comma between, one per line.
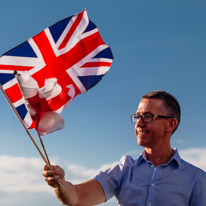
x=172, y=124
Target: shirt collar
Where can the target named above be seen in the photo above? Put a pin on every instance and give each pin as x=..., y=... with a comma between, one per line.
x=175, y=158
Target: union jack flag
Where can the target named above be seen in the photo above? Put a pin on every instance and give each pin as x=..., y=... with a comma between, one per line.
x=46, y=72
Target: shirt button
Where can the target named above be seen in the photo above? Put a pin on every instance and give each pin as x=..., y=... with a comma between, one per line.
x=149, y=204
x=152, y=166
x=153, y=185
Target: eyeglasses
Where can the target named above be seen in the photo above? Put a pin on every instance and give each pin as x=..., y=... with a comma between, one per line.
x=147, y=117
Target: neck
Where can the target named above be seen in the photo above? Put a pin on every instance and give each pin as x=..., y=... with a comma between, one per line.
x=159, y=156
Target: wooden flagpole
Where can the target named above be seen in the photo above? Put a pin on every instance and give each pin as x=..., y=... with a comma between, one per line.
x=45, y=152
x=23, y=124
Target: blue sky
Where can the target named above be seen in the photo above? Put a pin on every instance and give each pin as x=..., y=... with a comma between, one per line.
x=157, y=44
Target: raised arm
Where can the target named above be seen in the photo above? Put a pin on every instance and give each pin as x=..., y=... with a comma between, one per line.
x=85, y=194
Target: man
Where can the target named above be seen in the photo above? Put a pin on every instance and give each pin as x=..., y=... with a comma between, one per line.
x=159, y=177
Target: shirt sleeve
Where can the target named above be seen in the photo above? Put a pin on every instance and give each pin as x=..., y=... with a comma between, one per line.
x=110, y=178
x=199, y=191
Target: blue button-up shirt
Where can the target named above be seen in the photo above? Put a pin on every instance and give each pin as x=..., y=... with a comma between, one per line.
x=140, y=183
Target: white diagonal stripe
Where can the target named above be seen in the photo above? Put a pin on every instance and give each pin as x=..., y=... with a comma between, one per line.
x=40, y=61
x=18, y=61
x=92, y=71
x=66, y=30
x=100, y=60
x=9, y=84
x=19, y=102
x=89, y=56
x=76, y=36
x=73, y=70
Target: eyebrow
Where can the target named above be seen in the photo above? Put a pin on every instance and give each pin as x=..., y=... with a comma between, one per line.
x=138, y=112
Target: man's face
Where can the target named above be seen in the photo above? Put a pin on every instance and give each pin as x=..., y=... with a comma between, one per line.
x=151, y=134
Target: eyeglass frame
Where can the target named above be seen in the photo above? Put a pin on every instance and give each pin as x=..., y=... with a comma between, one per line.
x=153, y=116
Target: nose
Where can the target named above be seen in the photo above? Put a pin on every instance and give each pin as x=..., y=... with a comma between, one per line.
x=140, y=122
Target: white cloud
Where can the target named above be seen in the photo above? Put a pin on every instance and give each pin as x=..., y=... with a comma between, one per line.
x=195, y=156
x=25, y=174
x=20, y=176
x=22, y=183
x=78, y=173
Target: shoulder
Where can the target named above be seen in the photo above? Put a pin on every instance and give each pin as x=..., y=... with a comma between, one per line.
x=194, y=170
x=186, y=166
x=127, y=160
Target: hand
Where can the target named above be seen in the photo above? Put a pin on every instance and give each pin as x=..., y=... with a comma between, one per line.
x=55, y=176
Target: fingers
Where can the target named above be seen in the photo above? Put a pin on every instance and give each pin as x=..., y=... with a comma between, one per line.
x=56, y=170
x=53, y=177
x=46, y=167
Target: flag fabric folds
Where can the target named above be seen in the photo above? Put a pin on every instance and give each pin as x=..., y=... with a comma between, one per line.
x=44, y=74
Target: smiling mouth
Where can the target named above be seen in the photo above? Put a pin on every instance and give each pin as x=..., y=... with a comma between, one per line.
x=142, y=133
